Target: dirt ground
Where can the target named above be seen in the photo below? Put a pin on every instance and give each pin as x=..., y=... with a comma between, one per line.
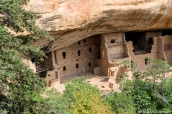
x=96, y=80
x=101, y=81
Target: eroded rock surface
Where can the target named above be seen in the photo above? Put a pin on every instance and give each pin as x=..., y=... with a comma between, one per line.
x=72, y=20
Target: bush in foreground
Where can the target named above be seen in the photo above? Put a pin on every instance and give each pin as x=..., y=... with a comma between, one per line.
x=80, y=97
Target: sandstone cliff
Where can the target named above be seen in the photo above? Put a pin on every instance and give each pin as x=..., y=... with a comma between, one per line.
x=72, y=20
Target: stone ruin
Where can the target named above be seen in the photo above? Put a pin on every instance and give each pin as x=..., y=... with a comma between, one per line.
x=92, y=35
x=99, y=54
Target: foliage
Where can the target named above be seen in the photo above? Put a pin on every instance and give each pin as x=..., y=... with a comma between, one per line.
x=157, y=70
x=163, y=95
x=121, y=103
x=19, y=86
x=154, y=97
x=80, y=97
x=131, y=65
x=54, y=99
x=151, y=91
x=85, y=99
x=141, y=94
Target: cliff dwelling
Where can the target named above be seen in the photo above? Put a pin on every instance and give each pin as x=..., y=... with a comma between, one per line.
x=98, y=54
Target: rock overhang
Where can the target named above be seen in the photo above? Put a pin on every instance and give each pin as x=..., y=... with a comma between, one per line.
x=69, y=21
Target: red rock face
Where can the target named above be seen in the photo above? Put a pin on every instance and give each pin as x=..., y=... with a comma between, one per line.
x=50, y=0
x=83, y=8
x=72, y=20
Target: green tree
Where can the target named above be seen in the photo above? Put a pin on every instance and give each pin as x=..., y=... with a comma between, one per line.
x=121, y=103
x=151, y=90
x=19, y=86
x=157, y=70
x=56, y=100
x=86, y=99
x=80, y=97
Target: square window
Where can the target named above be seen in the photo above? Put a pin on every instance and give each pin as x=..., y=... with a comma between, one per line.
x=112, y=41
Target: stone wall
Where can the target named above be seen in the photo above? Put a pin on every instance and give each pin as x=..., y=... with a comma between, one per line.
x=103, y=51
x=79, y=57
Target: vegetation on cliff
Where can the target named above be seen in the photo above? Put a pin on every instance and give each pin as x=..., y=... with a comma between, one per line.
x=21, y=89
x=19, y=86
x=148, y=92
x=80, y=97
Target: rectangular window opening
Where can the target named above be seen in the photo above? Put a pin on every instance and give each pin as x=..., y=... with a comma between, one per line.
x=77, y=65
x=64, y=68
x=90, y=50
x=84, y=40
x=79, y=53
x=112, y=41
x=151, y=41
x=64, y=55
x=78, y=43
x=89, y=64
x=146, y=61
